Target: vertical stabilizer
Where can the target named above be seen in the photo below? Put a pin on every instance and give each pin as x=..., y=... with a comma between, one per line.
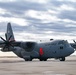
x=9, y=33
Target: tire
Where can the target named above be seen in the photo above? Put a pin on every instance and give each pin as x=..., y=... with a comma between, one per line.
x=41, y=59
x=45, y=59
x=62, y=59
x=28, y=59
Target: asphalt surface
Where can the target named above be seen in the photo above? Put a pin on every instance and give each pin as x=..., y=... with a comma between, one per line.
x=17, y=66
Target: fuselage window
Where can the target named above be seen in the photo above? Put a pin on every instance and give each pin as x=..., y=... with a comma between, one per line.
x=61, y=44
x=61, y=47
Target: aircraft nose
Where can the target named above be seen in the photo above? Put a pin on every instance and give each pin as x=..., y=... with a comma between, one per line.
x=71, y=50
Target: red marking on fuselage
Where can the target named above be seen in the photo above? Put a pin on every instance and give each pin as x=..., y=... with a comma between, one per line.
x=41, y=51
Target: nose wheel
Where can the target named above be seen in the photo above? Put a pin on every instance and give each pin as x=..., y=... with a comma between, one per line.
x=62, y=59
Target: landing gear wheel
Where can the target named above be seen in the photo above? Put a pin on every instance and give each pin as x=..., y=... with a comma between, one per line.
x=41, y=59
x=30, y=59
x=62, y=59
x=26, y=59
x=45, y=59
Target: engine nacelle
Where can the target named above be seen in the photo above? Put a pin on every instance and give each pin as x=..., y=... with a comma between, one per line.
x=28, y=46
x=26, y=57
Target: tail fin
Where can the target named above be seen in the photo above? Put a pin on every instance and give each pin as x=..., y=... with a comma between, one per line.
x=9, y=33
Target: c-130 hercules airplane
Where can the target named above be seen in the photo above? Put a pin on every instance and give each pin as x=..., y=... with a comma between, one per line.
x=58, y=49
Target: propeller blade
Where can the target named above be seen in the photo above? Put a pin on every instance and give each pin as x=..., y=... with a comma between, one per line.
x=11, y=44
x=9, y=38
x=3, y=39
x=2, y=42
x=6, y=36
x=4, y=47
x=7, y=43
x=8, y=48
x=74, y=41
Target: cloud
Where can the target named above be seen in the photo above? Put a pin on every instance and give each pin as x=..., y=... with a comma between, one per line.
x=68, y=15
x=2, y=11
x=7, y=1
x=42, y=15
x=18, y=21
x=66, y=7
x=39, y=17
x=38, y=1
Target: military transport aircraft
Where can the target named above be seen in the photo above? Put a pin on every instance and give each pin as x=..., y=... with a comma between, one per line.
x=58, y=49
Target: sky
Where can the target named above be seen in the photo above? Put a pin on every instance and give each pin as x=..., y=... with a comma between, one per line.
x=39, y=19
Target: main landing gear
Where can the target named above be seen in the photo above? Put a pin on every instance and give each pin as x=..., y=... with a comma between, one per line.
x=28, y=59
x=62, y=59
x=43, y=59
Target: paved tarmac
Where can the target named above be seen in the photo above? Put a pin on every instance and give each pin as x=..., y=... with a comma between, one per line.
x=17, y=66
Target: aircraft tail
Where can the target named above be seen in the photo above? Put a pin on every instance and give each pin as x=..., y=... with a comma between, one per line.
x=9, y=33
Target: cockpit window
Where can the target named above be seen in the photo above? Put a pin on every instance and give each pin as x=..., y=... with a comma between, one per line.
x=60, y=42
x=63, y=42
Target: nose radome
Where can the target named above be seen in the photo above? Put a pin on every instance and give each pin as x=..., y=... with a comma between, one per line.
x=71, y=50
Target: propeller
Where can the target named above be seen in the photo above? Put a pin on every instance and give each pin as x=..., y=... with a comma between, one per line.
x=74, y=45
x=7, y=43
x=74, y=41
